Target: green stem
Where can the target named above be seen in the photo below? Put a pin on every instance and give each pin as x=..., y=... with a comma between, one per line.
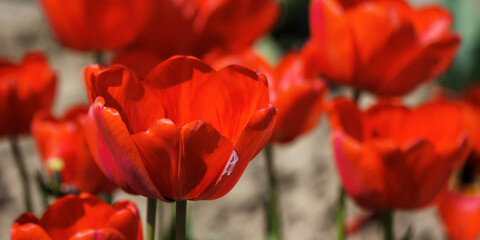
x=387, y=222
x=274, y=228
x=19, y=161
x=99, y=58
x=341, y=215
x=159, y=231
x=151, y=211
x=180, y=220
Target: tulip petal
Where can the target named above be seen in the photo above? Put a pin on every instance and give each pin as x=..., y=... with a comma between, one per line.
x=84, y=212
x=123, y=91
x=100, y=234
x=300, y=109
x=28, y=231
x=159, y=150
x=125, y=220
x=228, y=100
x=123, y=149
x=102, y=155
x=255, y=136
x=205, y=155
x=432, y=23
x=332, y=39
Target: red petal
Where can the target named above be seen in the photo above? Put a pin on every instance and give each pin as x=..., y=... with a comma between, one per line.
x=432, y=23
x=332, y=40
x=100, y=234
x=102, y=155
x=460, y=213
x=123, y=91
x=254, y=137
x=126, y=220
x=84, y=212
x=28, y=231
x=159, y=148
x=123, y=149
x=300, y=109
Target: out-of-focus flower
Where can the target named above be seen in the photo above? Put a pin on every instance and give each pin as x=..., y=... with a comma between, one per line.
x=80, y=217
x=195, y=27
x=97, y=25
x=298, y=97
x=460, y=214
x=64, y=140
x=24, y=89
x=185, y=132
x=382, y=46
x=392, y=157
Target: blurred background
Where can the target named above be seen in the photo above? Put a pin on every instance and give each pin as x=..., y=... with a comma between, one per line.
x=307, y=177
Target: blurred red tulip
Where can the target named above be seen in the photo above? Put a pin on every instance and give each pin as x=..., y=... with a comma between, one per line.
x=80, y=217
x=382, y=46
x=460, y=213
x=298, y=97
x=391, y=157
x=185, y=132
x=195, y=27
x=97, y=25
x=64, y=140
x=24, y=89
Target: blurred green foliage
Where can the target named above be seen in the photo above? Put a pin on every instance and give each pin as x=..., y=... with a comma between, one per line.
x=466, y=68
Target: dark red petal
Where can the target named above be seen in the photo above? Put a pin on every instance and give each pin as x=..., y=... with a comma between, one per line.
x=123, y=149
x=205, y=155
x=159, y=148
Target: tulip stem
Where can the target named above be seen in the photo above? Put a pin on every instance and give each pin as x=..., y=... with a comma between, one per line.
x=151, y=211
x=99, y=58
x=180, y=220
x=387, y=222
x=19, y=161
x=159, y=230
x=341, y=215
x=274, y=230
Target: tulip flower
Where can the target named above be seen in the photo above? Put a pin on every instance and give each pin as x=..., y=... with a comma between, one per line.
x=97, y=25
x=185, y=132
x=384, y=47
x=194, y=27
x=392, y=157
x=459, y=207
x=24, y=89
x=80, y=217
x=298, y=96
x=460, y=214
x=63, y=140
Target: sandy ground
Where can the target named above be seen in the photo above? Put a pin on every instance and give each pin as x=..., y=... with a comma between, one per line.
x=307, y=176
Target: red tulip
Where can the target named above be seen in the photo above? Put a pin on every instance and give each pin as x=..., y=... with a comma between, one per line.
x=392, y=157
x=298, y=96
x=460, y=213
x=195, y=27
x=185, y=132
x=97, y=25
x=382, y=46
x=64, y=140
x=80, y=218
x=24, y=89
